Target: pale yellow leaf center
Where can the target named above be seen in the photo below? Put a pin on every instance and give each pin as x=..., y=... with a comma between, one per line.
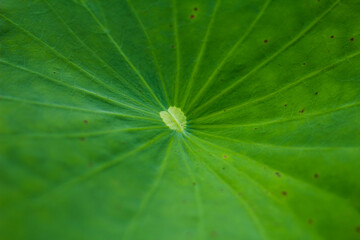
x=174, y=118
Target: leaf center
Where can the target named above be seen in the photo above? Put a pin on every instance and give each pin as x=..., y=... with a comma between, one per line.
x=174, y=118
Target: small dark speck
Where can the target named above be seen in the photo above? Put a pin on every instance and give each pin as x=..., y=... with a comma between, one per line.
x=304, y=64
x=284, y=193
x=357, y=229
x=316, y=93
x=195, y=9
x=351, y=39
x=278, y=174
x=194, y=183
x=302, y=110
x=82, y=139
x=54, y=72
x=172, y=46
x=310, y=221
x=192, y=16
x=316, y=175
x=285, y=105
x=332, y=36
x=255, y=128
x=86, y=121
x=266, y=41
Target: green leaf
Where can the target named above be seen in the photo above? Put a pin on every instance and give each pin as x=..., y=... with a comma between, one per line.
x=270, y=90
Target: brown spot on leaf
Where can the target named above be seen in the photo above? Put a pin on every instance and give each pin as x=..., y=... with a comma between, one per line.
x=213, y=234
x=284, y=193
x=285, y=105
x=54, y=72
x=310, y=221
x=195, y=8
x=172, y=46
x=357, y=229
x=316, y=175
x=351, y=39
x=194, y=183
x=225, y=156
x=278, y=174
x=302, y=110
x=82, y=139
x=255, y=128
x=332, y=36
x=86, y=121
x=192, y=16
x=266, y=41
x=316, y=93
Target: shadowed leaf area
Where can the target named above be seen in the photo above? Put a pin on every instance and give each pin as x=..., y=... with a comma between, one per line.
x=179, y=119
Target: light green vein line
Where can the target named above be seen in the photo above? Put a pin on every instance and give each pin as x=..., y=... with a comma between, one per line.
x=230, y=53
x=133, y=222
x=152, y=51
x=57, y=53
x=200, y=55
x=51, y=105
x=262, y=64
x=65, y=84
x=244, y=203
x=199, y=204
x=178, y=60
x=99, y=169
x=266, y=145
x=105, y=64
x=262, y=165
x=304, y=117
x=122, y=54
x=80, y=134
x=101, y=9
x=293, y=84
